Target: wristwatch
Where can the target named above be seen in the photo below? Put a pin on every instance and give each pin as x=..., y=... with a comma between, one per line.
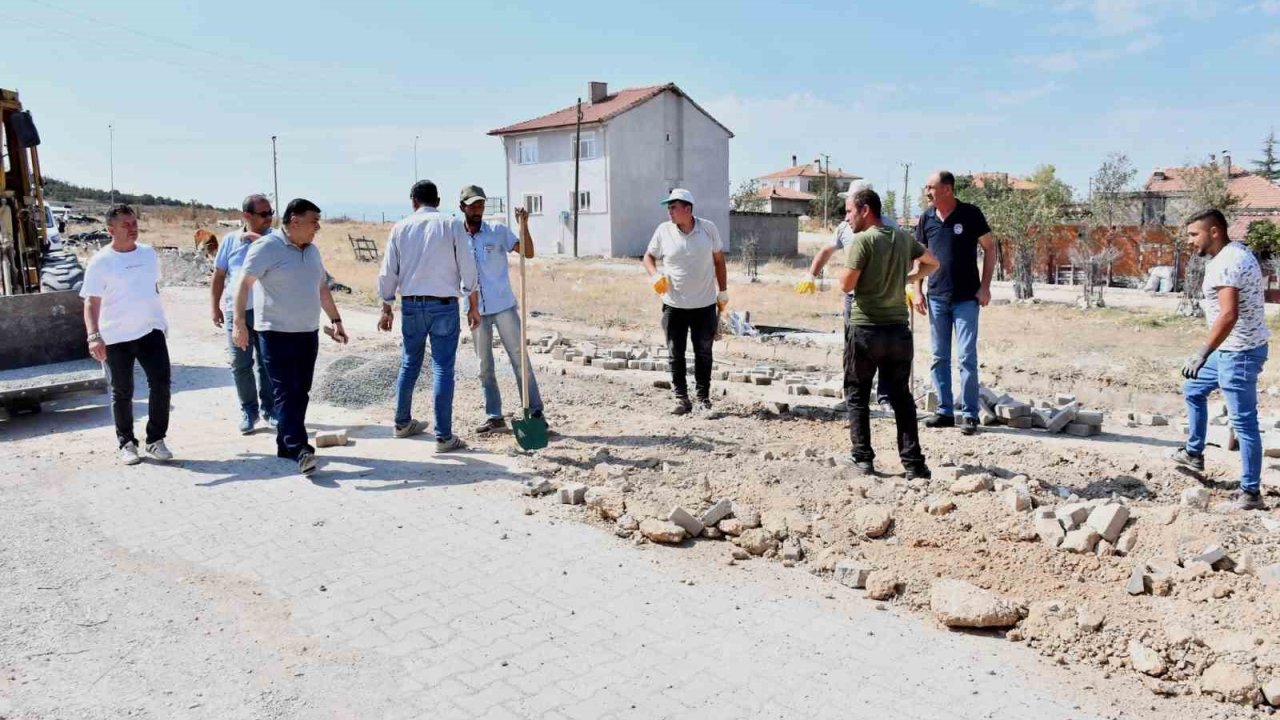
x=94, y=337
x=335, y=321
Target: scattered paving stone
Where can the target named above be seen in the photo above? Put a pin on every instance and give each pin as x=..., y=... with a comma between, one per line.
x=1145, y=660
x=872, y=521
x=1048, y=529
x=1072, y=515
x=1211, y=555
x=792, y=550
x=881, y=585
x=1081, y=540
x=1128, y=541
x=1137, y=584
x=573, y=494
x=538, y=486
x=681, y=517
x=852, y=573
x=718, y=511
x=661, y=531
x=1081, y=430
x=1017, y=500
x=956, y=603
x=1155, y=420
x=969, y=484
x=1109, y=521
x=331, y=438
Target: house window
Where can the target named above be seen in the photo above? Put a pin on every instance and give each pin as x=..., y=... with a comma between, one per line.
x=527, y=151
x=584, y=200
x=587, y=148
x=533, y=203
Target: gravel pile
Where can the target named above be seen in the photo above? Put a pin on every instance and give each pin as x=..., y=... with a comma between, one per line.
x=358, y=381
x=38, y=375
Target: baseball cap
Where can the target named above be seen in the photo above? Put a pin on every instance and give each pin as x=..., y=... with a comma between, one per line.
x=679, y=194
x=472, y=193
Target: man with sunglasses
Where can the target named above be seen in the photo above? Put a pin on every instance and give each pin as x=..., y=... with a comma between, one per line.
x=255, y=393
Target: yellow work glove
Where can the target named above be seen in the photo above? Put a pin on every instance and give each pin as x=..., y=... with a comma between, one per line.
x=806, y=286
x=911, y=295
x=661, y=284
x=722, y=300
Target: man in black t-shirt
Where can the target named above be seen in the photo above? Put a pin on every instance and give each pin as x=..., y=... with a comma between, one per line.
x=954, y=231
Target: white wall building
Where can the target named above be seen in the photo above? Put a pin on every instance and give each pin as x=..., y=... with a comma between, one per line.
x=636, y=145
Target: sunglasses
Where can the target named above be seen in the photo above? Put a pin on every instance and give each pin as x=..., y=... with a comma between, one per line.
x=266, y=214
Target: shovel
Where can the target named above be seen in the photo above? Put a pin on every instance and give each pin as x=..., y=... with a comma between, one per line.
x=530, y=432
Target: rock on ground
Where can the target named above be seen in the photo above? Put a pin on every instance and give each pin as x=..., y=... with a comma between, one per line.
x=1145, y=660
x=956, y=603
x=661, y=531
x=607, y=502
x=881, y=585
x=757, y=541
x=1233, y=681
x=872, y=520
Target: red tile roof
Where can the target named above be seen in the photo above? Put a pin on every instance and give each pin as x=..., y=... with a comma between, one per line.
x=1238, y=227
x=980, y=179
x=610, y=107
x=1255, y=191
x=783, y=193
x=810, y=170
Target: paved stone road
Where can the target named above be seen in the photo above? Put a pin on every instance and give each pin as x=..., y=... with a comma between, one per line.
x=473, y=609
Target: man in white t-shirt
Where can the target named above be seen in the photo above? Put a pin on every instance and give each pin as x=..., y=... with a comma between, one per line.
x=125, y=322
x=693, y=286
x=1232, y=357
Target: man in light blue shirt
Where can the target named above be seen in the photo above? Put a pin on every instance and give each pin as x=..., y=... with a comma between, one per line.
x=254, y=394
x=428, y=261
x=491, y=245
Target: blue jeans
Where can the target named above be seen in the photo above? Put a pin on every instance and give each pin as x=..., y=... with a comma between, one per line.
x=1236, y=373
x=508, y=324
x=420, y=320
x=291, y=363
x=255, y=394
x=961, y=318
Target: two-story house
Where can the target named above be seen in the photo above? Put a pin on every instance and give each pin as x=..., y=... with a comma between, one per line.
x=636, y=144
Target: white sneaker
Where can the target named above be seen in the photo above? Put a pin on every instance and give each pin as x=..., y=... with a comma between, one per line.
x=158, y=451
x=129, y=454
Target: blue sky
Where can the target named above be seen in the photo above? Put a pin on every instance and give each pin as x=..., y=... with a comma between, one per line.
x=196, y=89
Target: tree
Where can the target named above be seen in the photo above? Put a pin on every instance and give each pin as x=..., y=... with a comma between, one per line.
x=826, y=197
x=1269, y=166
x=888, y=205
x=1021, y=220
x=747, y=197
x=1263, y=238
x=1110, y=208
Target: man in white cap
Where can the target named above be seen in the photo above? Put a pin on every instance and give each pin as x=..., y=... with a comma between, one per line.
x=839, y=239
x=693, y=285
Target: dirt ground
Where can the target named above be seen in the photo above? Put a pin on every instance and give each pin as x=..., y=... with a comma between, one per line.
x=614, y=431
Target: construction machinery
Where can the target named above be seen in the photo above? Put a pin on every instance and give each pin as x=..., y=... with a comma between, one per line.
x=44, y=350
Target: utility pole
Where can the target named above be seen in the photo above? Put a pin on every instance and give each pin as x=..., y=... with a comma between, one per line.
x=415, y=158
x=111, y=159
x=275, y=180
x=826, y=185
x=577, y=152
x=906, y=175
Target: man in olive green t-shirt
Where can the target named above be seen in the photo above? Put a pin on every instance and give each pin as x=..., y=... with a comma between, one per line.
x=879, y=263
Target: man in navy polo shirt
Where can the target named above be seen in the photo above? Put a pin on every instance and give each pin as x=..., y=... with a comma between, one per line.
x=954, y=231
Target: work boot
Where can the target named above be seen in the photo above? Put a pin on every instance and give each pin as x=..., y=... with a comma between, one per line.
x=492, y=425
x=863, y=467
x=409, y=429
x=158, y=451
x=968, y=426
x=129, y=454
x=449, y=444
x=682, y=407
x=1182, y=458
x=1242, y=500
x=940, y=421
x=920, y=471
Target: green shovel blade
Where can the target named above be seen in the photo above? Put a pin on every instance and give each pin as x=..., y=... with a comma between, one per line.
x=531, y=432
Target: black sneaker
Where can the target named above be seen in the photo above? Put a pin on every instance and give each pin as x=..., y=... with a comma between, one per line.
x=968, y=426
x=682, y=407
x=921, y=472
x=866, y=467
x=307, y=463
x=1182, y=458
x=492, y=425
x=1245, y=500
x=940, y=421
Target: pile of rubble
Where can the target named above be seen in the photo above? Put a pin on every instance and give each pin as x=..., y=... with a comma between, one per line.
x=865, y=536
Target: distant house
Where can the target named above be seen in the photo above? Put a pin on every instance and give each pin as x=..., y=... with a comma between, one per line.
x=1165, y=196
x=636, y=145
x=781, y=200
x=806, y=178
x=980, y=180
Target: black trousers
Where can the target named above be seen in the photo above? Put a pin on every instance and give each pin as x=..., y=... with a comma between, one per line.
x=887, y=349
x=291, y=365
x=679, y=324
x=152, y=353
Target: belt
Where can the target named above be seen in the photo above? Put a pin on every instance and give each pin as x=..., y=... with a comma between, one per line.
x=428, y=298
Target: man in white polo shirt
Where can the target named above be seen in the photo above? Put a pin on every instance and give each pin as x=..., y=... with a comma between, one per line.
x=693, y=285
x=125, y=322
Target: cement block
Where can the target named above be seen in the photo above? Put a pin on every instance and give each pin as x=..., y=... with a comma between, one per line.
x=691, y=524
x=1109, y=521
x=1082, y=430
x=1061, y=400
x=1021, y=423
x=581, y=360
x=1061, y=419
x=1048, y=528
x=718, y=511
x=761, y=380
x=573, y=494
x=986, y=415
x=1011, y=410
x=1152, y=420
x=1081, y=540
x=331, y=438
x=852, y=573
x=1089, y=417
x=1072, y=515
x=633, y=364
